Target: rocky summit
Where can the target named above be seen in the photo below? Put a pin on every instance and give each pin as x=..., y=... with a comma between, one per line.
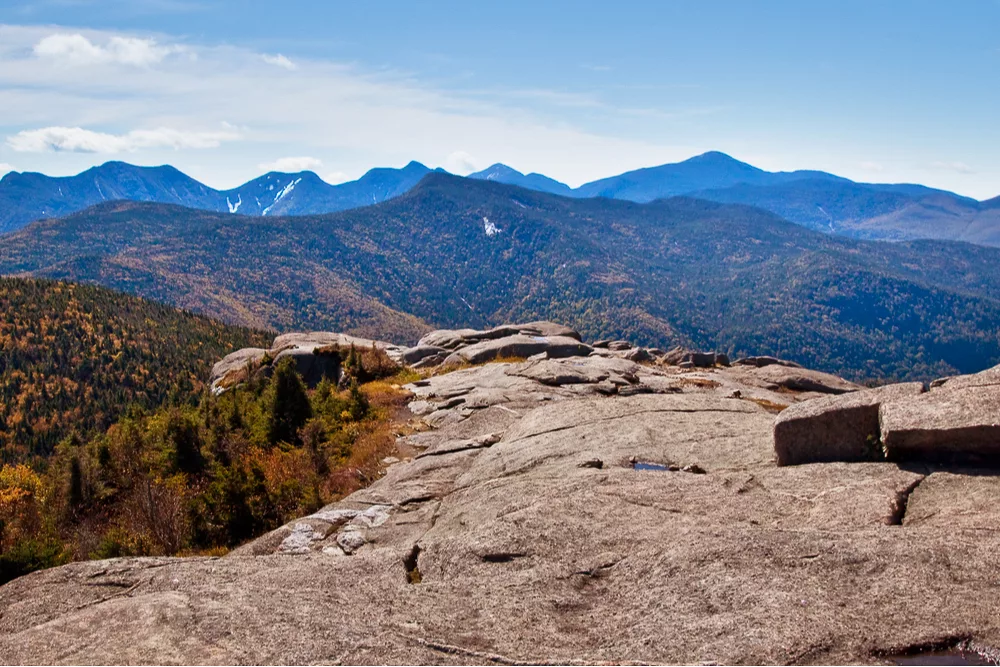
x=553, y=501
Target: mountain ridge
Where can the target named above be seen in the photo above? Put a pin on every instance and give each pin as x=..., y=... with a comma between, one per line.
x=462, y=252
x=915, y=211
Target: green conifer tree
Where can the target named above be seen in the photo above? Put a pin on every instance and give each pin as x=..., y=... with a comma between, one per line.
x=289, y=407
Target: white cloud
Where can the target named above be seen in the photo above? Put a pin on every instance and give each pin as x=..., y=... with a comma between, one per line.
x=279, y=60
x=4, y=168
x=874, y=167
x=957, y=167
x=336, y=177
x=292, y=164
x=366, y=117
x=75, y=49
x=80, y=140
x=460, y=163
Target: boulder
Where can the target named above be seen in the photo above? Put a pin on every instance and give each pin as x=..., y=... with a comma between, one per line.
x=950, y=426
x=313, y=368
x=638, y=354
x=431, y=361
x=232, y=368
x=991, y=376
x=760, y=362
x=316, y=339
x=413, y=355
x=448, y=339
x=519, y=345
x=790, y=378
x=842, y=427
x=619, y=345
x=685, y=358
x=455, y=339
x=547, y=329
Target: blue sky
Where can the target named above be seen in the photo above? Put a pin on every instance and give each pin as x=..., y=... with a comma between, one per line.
x=876, y=91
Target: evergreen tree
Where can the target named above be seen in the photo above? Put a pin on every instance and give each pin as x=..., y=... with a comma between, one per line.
x=289, y=407
x=75, y=483
x=182, y=436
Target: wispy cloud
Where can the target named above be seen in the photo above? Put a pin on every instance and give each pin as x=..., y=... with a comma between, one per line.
x=75, y=49
x=292, y=164
x=4, y=168
x=460, y=162
x=874, y=167
x=148, y=101
x=957, y=167
x=279, y=60
x=80, y=140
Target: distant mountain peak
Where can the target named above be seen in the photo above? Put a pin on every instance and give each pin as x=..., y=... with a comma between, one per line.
x=501, y=173
x=711, y=156
x=495, y=172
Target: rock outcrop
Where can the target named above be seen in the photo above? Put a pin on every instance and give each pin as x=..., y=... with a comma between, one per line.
x=469, y=346
x=583, y=509
x=843, y=427
x=948, y=425
x=307, y=350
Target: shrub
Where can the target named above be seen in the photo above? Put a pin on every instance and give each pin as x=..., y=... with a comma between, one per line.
x=119, y=543
x=28, y=555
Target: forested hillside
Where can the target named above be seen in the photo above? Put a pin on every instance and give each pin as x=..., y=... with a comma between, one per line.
x=75, y=358
x=201, y=476
x=458, y=252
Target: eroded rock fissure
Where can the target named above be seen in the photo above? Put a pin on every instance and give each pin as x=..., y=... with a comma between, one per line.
x=503, y=557
x=900, y=502
x=412, y=564
x=951, y=650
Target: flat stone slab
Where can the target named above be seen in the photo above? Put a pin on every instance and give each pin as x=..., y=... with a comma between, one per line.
x=453, y=339
x=945, y=426
x=520, y=345
x=988, y=377
x=315, y=339
x=844, y=427
x=955, y=501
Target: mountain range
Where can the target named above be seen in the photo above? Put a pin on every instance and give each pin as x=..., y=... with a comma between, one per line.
x=455, y=251
x=814, y=199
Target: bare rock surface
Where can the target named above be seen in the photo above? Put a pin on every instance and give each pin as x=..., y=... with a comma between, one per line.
x=236, y=362
x=948, y=425
x=588, y=509
x=843, y=427
x=986, y=378
x=519, y=345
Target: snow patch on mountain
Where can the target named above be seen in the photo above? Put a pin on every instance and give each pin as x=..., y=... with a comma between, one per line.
x=281, y=193
x=234, y=207
x=490, y=228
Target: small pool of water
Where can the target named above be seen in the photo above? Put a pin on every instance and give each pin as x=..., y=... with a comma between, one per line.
x=645, y=465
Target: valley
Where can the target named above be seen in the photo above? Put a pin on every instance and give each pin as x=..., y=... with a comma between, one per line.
x=677, y=271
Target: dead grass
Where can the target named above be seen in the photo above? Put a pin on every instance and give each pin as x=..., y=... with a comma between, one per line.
x=451, y=368
x=770, y=406
x=704, y=383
